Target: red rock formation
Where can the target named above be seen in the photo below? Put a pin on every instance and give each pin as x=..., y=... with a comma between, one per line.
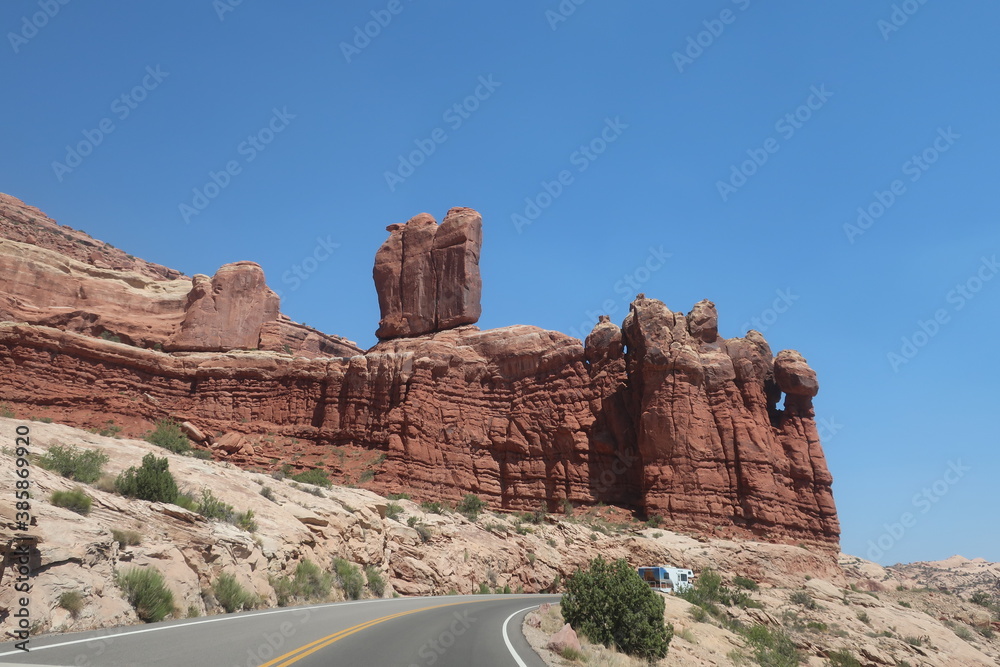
x=714, y=448
x=46, y=279
x=427, y=276
x=660, y=415
x=227, y=311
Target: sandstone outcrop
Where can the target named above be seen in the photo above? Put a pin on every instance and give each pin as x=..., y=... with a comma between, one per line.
x=227, y=311
x=427, y=276
x=661, y=415
x=46, y=279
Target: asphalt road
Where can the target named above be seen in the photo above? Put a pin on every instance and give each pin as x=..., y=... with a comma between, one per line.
x=452, y=631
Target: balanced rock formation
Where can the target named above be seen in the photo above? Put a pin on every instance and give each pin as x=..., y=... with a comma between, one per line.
x=427, y=276
x=660, y=415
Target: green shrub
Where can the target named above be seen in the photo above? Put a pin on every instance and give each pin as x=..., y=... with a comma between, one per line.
x=211, y=507
x=398, y=496
x=432, y=507
x=152, y=481
x=202, y=454
x=107, y=335
x=231, y=595
x=314, y=476
x=904, y=603
x=744, y=582
x=308, y=583
x=187, y=501
x=573, y=655
x=772, y=648
x=5, y=411
x=128, y=538
x=484, y=589
x=802, y=598
x=393, y=510
x=376, y=583
x=268, y=493
x=843, y=658
x=981, y=598
x=864, y=618
x=148, y=594
x=168, y=434
x=109, y=430
x=193, y=612
x=80, y=465
x=349, y=577
x=366, y=476
x=72, y=602
x=245, y=521
x=612, y=605
x=423, y=531
x=74, y=500
x=471, y=505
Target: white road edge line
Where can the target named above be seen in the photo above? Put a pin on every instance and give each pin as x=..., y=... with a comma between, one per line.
x=217, y=619
x=506, y=639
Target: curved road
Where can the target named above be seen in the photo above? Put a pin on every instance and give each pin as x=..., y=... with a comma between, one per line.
x=452, y=631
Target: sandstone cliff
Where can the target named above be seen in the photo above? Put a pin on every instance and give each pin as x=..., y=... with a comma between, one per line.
x=661, y=415
x=882, y=617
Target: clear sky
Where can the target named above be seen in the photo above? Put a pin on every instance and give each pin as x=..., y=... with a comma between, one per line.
x=687, y=150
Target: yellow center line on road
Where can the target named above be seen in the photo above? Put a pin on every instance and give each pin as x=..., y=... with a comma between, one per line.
x=321, y=643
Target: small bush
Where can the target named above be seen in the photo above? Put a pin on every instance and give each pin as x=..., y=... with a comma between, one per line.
x=193, y=612
x=148, y=594
x=366, y=476
x=963, y=632
x=152, y=481
x=484, y=589
x=129, y=538
x=411, y=522
x=107, y=335
x=432, y=507
x=80, y=465
x=981, y=598
x=471, y=505
x=109, y=430
x=698, y=614
x=314, y=476
x=423, y=531
x=864, y=617
x=745, y=583
x=5, y=411
x=187, y=501
x=376, y=584
x=843, y=658
x=308, y=583
x=904, y=603
x=802, y=598
x=74, y=500
x=168, y=434
x=211, y=507
x=231, y=595
x=398, y=496
x=72, y=602
x=772, y=648
x=393, y=510
x=245, y=521
x=268, y=493
x=349, y=577
x=202, y=454
x=571, y=654
x=612, y=605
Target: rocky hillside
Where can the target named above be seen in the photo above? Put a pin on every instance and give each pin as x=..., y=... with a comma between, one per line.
x=823, y=603
x=660, y=416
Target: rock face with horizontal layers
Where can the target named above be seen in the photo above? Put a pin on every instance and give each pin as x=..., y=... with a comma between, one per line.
x=660, y=415
x=427, y=276
x=66, y=280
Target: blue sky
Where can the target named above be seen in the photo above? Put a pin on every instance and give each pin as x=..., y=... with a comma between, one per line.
x=694, y=150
